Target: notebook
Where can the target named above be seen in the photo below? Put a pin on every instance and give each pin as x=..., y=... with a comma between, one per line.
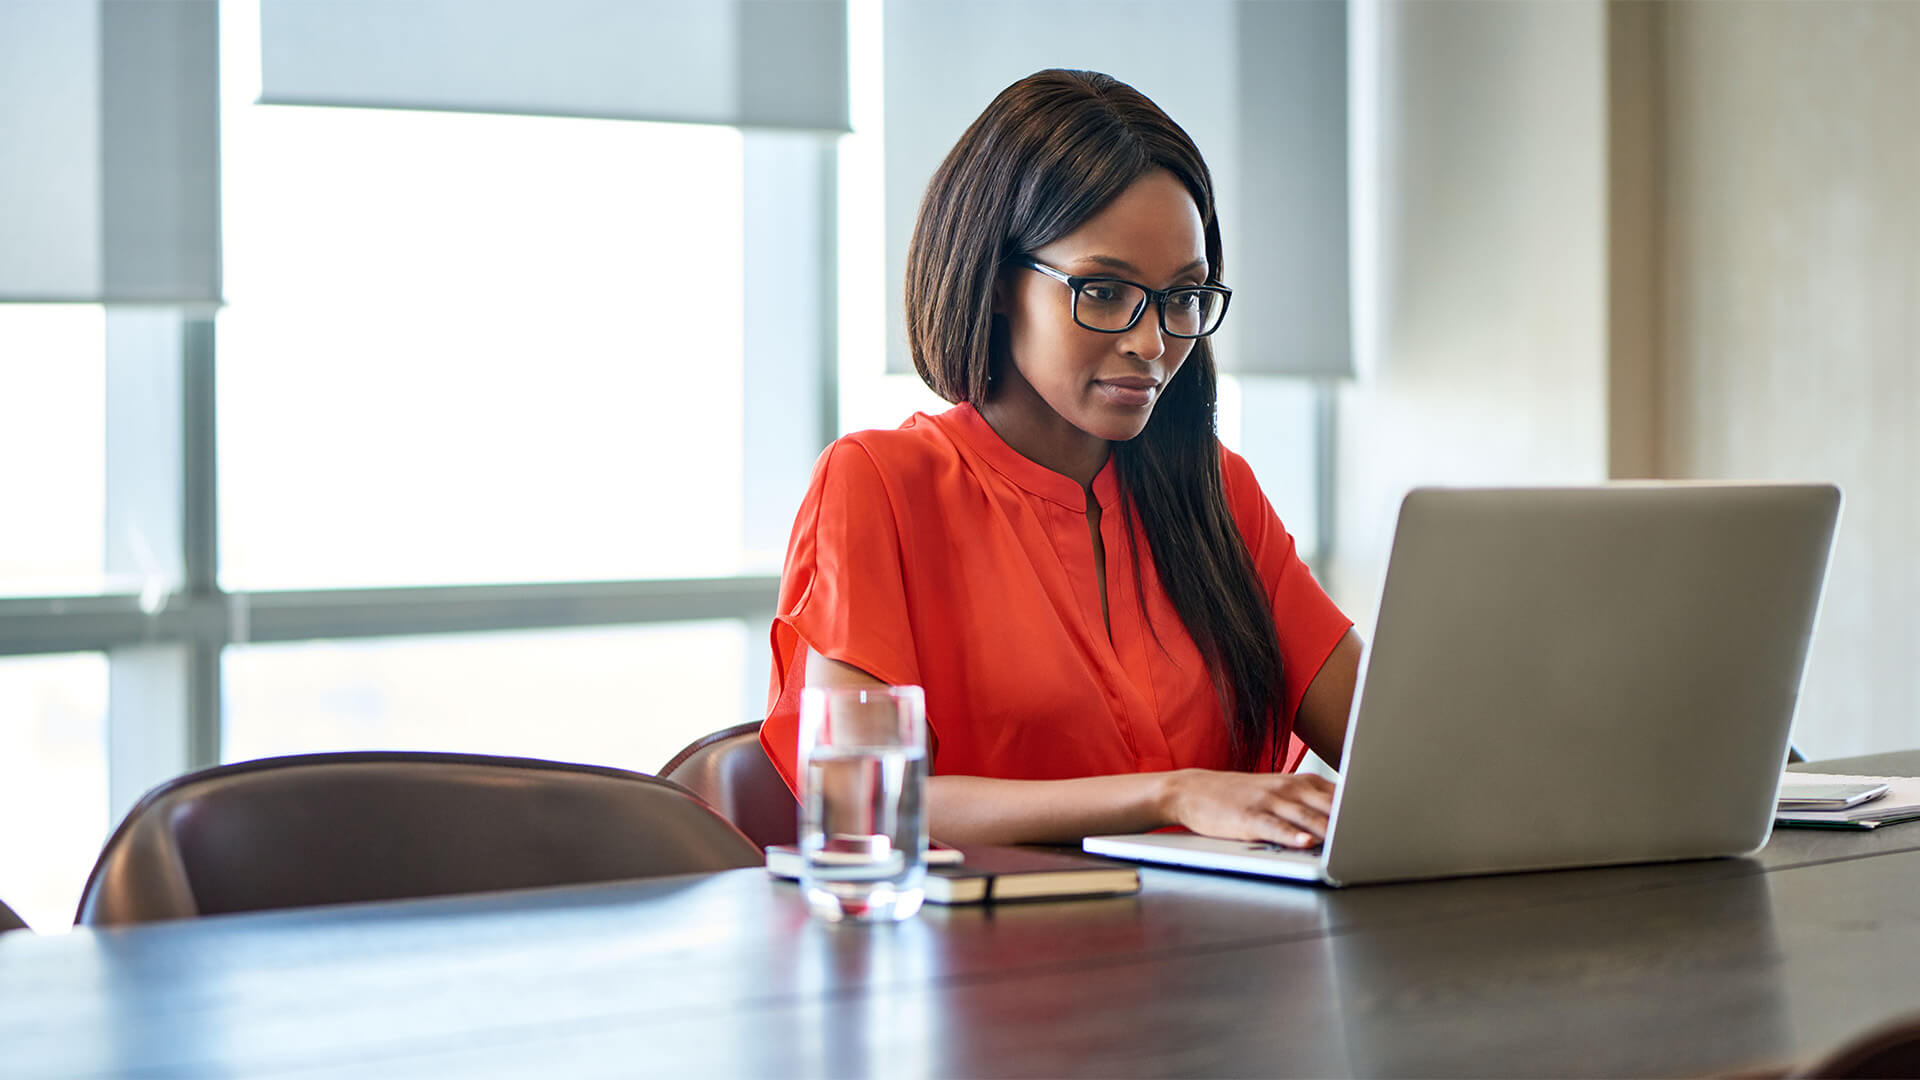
x=1900, y=803
x=1010, y=873
x=1812, y=793
x=1565, y=677
x=980, y=874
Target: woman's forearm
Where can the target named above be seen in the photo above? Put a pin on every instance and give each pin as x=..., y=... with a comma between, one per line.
x=985, y=810
x=1281, y=809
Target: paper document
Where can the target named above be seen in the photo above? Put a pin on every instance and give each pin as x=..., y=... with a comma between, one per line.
x=1900, y=803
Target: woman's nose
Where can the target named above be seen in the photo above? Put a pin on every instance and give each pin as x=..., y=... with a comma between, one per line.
x=1144, y=340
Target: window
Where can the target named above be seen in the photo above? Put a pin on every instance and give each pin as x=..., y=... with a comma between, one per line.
x=53, y=782
x=470, y=348
x=459, y=350
x=1271, y=421
x=629, y=697
x=52, y=449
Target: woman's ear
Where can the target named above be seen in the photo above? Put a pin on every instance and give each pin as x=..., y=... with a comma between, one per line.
x=1001, y=301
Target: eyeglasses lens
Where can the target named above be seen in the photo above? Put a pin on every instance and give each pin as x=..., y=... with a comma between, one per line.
x=1193, y=312
x=1114, y=305
x=1108, y=305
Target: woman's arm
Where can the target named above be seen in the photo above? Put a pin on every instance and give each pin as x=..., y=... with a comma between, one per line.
x=1322, y=720
x=1276, y=808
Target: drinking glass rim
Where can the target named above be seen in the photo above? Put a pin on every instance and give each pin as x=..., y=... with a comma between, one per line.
x=907, y=690
x=907, y=703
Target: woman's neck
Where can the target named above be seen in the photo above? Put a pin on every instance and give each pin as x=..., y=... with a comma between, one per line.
x=1025, y=422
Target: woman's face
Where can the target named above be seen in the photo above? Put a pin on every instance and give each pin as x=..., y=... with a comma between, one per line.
x=1103, y=385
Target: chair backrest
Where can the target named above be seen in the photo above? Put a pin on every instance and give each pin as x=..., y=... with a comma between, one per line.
x=730, y=770
x=8, y=920
x=337, y=828
x=1889, y=1050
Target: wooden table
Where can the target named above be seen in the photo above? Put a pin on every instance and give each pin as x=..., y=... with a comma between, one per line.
x=1684, y=968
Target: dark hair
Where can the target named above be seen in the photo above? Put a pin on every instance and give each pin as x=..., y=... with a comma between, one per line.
x=1050, y=152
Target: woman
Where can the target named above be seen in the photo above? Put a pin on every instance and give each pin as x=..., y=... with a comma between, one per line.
x=1113, y=629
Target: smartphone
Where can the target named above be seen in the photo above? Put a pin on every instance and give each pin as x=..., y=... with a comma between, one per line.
x=1817, y=796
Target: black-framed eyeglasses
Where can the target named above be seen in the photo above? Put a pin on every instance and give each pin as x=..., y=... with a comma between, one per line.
x=1108, y=305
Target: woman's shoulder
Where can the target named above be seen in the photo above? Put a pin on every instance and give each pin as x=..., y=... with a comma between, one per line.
x=919, y=444
x=897, y=460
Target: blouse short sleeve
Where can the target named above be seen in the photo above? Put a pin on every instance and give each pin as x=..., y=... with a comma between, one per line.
x=842, y=593
x=1307, y=620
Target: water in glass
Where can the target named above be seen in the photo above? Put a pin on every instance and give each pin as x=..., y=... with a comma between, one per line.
x=863, y=832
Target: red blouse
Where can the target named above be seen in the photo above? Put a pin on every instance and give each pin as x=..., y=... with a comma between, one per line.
x=936, y=555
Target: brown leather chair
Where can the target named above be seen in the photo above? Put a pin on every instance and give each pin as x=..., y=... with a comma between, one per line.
x=1889, y=1050
x=730, y=770
x=336, y=828
x=8, y=920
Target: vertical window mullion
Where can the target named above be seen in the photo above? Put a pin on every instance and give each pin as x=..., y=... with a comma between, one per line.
x=200, y=536
x=163, y=694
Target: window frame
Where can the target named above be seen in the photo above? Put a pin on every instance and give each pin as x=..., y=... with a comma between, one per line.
x=164, y=642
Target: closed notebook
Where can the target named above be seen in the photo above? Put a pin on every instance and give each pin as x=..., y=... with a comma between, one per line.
x=981, y=873
x=1900, y=803
x=1011, y=873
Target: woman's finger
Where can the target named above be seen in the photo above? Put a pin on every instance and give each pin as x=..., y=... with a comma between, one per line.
x=1279, y=832
x=1319, y=796
x=1303, y=818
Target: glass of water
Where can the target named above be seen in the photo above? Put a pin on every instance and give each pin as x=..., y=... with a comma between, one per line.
x=863, y=788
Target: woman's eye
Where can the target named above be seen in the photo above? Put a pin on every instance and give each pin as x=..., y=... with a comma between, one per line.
x=1100, y=294
x=1186, y=301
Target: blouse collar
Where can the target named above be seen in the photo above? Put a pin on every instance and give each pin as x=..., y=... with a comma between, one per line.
x=1036, y=478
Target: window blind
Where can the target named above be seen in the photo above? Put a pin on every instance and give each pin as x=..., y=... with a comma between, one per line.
x=109, y=152
x=778, y=64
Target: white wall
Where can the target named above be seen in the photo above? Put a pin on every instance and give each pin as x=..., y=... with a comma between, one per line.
x=1792, y=296
x=1675, y=240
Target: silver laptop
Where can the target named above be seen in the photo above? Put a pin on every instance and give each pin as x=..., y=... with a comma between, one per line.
x=1565, y=677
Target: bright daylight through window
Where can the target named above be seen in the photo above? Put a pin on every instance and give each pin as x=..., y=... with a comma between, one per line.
x=53, y=781
x=52, y=448
x=466, y=348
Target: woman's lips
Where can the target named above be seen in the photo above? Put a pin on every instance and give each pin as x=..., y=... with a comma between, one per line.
x=1129, y=391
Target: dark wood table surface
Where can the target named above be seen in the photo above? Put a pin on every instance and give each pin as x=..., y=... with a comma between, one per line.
x=1672, y=969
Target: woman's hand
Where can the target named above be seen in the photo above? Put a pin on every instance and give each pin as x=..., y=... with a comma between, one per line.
x=1286, y=809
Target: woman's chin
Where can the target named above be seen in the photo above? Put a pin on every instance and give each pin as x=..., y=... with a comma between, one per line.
x=1121, y=428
